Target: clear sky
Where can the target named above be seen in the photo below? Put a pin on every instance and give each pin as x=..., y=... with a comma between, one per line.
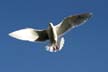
x=86, y=47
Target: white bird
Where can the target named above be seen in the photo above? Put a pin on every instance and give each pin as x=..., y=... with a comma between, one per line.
x=53, y=33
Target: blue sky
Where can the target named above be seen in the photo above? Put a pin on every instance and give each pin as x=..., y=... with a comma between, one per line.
x=85, y=47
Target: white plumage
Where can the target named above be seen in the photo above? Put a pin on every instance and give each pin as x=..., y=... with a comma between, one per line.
x=28, y=34
x=52, y=33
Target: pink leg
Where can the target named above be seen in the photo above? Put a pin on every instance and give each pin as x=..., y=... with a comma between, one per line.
x=57, y=48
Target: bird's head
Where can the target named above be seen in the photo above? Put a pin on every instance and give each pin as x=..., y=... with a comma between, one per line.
x=51, y=25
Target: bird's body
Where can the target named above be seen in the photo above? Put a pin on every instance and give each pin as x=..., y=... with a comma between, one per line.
x=52, y=33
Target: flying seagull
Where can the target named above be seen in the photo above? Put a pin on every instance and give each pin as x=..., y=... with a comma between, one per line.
x=54, y=33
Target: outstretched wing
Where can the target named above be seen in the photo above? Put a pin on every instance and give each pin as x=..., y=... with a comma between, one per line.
x=71, y=22
x=30, y=34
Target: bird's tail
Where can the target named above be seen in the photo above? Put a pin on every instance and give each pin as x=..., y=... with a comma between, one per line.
x=56, y=47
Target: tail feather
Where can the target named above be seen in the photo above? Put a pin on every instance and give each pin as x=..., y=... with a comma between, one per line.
x=61, y=43
x=56, y=47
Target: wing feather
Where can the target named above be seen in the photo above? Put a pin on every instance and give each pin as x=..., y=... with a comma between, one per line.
x=30, y=34
x=71, y=22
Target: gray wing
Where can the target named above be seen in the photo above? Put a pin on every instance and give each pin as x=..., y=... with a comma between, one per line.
x=71, y=22
x=43, y=35
x=30, y=34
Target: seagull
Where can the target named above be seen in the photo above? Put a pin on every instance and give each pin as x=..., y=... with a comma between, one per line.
x=54, y=33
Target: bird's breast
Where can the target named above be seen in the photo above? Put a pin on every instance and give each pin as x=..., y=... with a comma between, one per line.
x=52, y=34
